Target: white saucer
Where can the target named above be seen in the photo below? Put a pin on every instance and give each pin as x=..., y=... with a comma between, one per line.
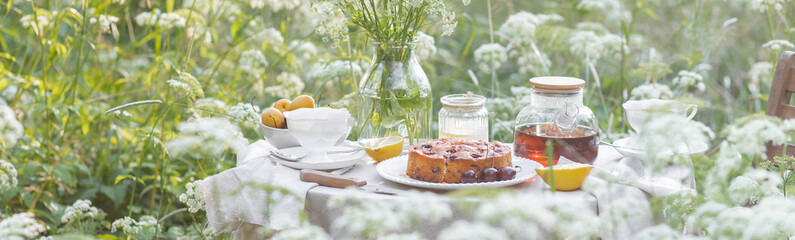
x=339, y=160
x=394, y=169
x=630, y=147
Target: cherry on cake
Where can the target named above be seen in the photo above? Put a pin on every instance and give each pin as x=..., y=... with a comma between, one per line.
x=446, y=160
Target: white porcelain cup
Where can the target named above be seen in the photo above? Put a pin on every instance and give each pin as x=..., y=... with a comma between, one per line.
x=318, y=129
x=640, y=111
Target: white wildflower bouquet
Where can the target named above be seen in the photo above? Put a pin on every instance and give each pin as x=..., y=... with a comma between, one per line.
x=391, y=21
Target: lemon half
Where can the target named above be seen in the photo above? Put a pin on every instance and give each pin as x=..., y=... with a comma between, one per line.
x=383, y=148
x=567, y=177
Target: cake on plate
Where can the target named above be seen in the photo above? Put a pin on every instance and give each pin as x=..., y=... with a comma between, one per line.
x=446, y=160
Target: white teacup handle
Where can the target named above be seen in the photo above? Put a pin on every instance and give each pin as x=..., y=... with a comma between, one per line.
x=693, y=110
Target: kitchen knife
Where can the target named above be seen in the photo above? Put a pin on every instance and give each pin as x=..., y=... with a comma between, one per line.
x=336, y=181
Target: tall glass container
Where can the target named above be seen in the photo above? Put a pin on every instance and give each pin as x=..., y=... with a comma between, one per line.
x=464, y=116
x=395, y=96
x=556, y=115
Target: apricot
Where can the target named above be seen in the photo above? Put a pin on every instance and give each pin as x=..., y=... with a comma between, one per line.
x=283, y=105
x=272, y=117
x=303, y=101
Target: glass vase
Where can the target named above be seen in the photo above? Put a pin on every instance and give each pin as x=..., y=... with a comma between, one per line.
x=394, y=95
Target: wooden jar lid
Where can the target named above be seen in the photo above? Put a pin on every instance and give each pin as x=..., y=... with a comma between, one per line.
x=556, y=83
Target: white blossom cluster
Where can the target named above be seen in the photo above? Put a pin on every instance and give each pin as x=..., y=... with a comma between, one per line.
x=377, y=218
x=339, y=69
x=753, y=186
x=268, y=36
x=79, y=210
x=276, y=5
x=771, y=218
x=613, y=10
x=206, y=138
x=193, y=197
x=658, y=137
x=426, y=46
x=37, y=22
x=521, y=27
x=533, y=64
x=490, y=57
x=222, y=8
x=778, y=45
x=448, y=23
x=186, y=83
x=592, y=46
x=651, y=91
x=105, y=22
x=10, y=128
x=247, y=114
x=157, y=18
x=21, y=226
x=761, y=72
x=206, y=107
x=287, y=85
x=749, y=137
x=145, y=228
x=688, y=79
x=472, y=230
x=304, y=50
x=303, y=232
x=332, y=25
x=127, y=225
x=8, y=175
x=253, y=62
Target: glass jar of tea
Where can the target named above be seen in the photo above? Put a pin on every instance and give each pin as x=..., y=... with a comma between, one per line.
x=464, y=116
x=556, y=115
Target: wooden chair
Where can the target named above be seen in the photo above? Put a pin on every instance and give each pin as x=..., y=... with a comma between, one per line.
x=780, y=96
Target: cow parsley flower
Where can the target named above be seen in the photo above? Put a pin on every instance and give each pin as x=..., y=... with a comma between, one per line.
x=754, y=185
x=252, y=62
x=222, y=8
x=687, y=79
x=193, y=197
x=592, y=46
x=206, y=138
x=161, y=19
x=147, y=18
x=520, y=27
x=530, y=217
x=448, y=23
x=490, y=57
x=778, y=45
x=658, y=137
x=533, y=64
x=748, y=136
x=287, y=5
x=207, y=107
x=333, y=25
x=304, y=50
x=766, y=5
x=426, y=46
x=247, y=114
x=36, y=23
x=475, y=230
x=186, y=83
x=268, y=36
x=79, y=210
x=598, y=5
x=651, y=91
x=21, y=226
x=8, y=175
x=658, y=232
x=287, y=84
x=761, y=72
x=10, y=128
x=104, y=21
x=337, y=70
x=127, y=225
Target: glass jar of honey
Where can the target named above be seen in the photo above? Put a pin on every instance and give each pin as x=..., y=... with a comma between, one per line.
x=464, y=116
x=556, y=114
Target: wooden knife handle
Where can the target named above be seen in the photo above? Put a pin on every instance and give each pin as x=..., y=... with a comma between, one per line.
x=330, y=180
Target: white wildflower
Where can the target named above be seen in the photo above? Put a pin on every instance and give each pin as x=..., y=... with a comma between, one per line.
x=80, y=210
x=199, y=33
x=193, y=196
x=490, y=57
x=651, y=91
x=472, y=230
x=337, y=70
x=658, y=137
x=21, y=226
x=207, y=107
x=778, y=45
x=520, y=27
x=304, y=232
x=104, y=21
x=245, y=113
x=530, y=217
x=658, y=232
x=127, y=225
x=304, y=50
x=8, y=175
x=448, y=23
x=253, y=62
x=147, y=18
x=687, y=79
x=333, y=25
x=122, y=113
x=257, y=4
x=187, y=83
x=268, y=36
x=206, y=138
x=149, y=227
x=287, y=85
x=10, y=128
x=598, y=5
x=170, y=20
x=591, y=46
x=533, y=64
x=750, y=137
x=37, y=23
x=287, y=5
x=426, y=46
x=761, y=72
x=221, y=8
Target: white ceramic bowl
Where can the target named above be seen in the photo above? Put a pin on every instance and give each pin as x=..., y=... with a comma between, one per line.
x=282, y=138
